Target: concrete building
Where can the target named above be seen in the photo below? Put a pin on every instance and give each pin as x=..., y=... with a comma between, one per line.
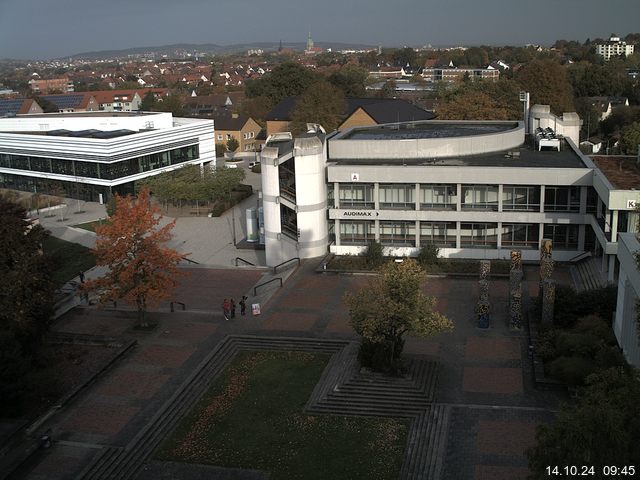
x=51, y=85
x=94, y=154
x=474, y=189
x=625, y=324
x=457, y=74
x=614, y=48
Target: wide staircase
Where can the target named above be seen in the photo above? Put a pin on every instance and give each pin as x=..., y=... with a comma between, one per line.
x=343, y=389
x=587, y=274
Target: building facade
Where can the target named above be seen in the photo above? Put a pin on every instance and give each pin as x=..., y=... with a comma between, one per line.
x=473, y=189
x=93, y=155
x=614, y=48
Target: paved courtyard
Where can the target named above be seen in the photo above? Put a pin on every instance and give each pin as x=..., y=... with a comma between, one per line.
x=485, y=375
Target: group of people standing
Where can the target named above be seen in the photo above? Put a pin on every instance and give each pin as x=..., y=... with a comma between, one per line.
x=229, y=307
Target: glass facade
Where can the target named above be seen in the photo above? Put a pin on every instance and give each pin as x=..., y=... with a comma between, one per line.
x=480, y=197
x=520, y=198
x=391, y=196
x=103, y=171
x=357, y=232
x=564, y=237
x=440, y=234
x=398, y=234
x=479, y=235
x=521, y=235
x=60, y=188
x=562, y=199
x=356, y=195
x=438, y=197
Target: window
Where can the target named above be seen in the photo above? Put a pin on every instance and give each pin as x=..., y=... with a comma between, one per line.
x=438, y=197
x=481, y=197
x=396, y=196
x=478, y=235
x=356, y=195
x=219, y=136
x=398, y=234
x=562, y=199
x=564, y=237
x=440, y=234
x=520, y=198
x=228, y=136
x=523, y=235
x=289, y=222
x=356, y=233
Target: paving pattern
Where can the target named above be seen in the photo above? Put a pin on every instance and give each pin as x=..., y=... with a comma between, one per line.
x=478, y=411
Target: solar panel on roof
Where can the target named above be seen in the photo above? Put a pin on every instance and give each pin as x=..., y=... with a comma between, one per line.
x=65, y=101
x=8, y=107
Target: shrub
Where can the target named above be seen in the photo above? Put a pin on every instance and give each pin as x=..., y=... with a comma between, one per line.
x=571, y=370
x=428, y=254
x=374, y=255
x=257, y=168
x=569, y=305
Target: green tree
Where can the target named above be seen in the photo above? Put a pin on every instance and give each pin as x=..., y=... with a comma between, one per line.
x=148, y=103
x=232, y=144
x=26, y=287
x=482, y=100
x=322, y=103
x=630, y=139
x=548, y=84
x=286, y=80
x=388, y=90
x=351, y=80
x=221, y=148
x=601, y=429
x=171, y=103
x=392, y=305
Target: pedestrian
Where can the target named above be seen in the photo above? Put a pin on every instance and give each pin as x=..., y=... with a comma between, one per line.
x=233, y=309
x=243, y=305
x=81, y=276
x=226, y=308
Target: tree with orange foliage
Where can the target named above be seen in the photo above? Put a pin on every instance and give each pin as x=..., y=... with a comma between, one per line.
x=141, y=269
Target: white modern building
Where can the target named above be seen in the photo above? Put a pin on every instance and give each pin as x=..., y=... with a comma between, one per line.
x=614, y=48
x=474, y=189
x=94, y=154
x=625, y=324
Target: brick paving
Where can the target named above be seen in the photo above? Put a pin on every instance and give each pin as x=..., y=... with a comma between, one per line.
x=477, y=367
x=492, y=380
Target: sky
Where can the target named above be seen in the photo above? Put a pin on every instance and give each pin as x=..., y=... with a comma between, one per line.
x=44, y=29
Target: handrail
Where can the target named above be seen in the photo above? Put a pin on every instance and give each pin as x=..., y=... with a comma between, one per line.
x=179, y=303
x=255, y=289
x=244, y=261
x=190, y=261
x=579, y=257
x=275, y=269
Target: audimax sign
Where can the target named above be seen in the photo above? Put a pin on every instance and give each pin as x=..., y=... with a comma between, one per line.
x=360, y=213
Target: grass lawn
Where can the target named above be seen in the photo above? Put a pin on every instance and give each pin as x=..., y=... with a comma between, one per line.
x=91, y=226
x=253, y=417
x=68, y=259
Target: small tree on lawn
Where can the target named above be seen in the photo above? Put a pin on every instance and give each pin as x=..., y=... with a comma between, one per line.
x=389, y=307
x=141, y=270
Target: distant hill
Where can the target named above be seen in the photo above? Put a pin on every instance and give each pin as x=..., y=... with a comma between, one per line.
x=182, y=49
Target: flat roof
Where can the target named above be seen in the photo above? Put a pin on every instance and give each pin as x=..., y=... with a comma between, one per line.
x=622, y=172
x=87, y=114
x=418, y=130
x=524, y=156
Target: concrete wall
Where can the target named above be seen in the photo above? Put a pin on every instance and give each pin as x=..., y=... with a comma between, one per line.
x=345, y=148
x=84, y=121
x=568, y=125
x=311, y=197
x=625, y=323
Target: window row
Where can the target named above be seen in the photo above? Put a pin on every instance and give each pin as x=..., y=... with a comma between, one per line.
x=105, y=171
x=444, y=234
x=445, y=197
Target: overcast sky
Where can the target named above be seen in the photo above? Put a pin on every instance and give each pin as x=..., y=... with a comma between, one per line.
x=40, y=29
